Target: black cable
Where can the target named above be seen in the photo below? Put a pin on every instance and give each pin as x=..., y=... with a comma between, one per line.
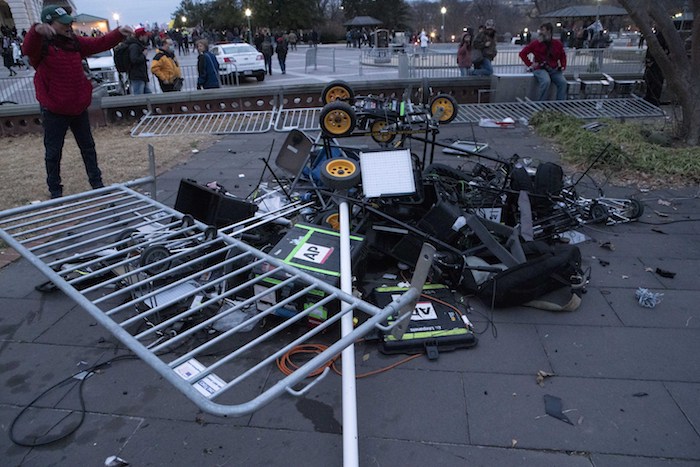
x=49, y=440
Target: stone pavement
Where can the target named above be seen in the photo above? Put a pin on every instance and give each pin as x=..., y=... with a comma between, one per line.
x=628, y=376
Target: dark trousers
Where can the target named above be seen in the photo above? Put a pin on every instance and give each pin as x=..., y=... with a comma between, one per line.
x=55, y=128
x=268, y=63
x=283, y=62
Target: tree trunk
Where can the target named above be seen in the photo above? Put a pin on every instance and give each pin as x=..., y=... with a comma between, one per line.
x=680, y=68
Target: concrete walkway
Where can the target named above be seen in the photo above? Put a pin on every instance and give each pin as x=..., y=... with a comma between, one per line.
x=628, y=376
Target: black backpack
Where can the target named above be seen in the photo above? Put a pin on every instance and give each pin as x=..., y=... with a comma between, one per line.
x=122, y=62
x=266, y=47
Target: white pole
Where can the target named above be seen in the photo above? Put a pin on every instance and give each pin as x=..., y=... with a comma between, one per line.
x=350, y=441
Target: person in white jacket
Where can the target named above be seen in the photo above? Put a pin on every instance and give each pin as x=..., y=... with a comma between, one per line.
x=424, y=41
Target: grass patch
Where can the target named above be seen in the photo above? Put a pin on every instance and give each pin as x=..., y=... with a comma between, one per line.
x=633, y=149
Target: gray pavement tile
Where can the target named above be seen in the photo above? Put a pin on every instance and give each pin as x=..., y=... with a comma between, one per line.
x=687, y=396
x=25, y=319
x=593, y=311
x=413, y=395
x=99, y=437
x=516, y=349
x=160, y=443
x=677, y=309
x=687, y=272
x=28, y=369
x=19, y=279
x=632, y=245
x=625, y=273
x=634, y=353
x=375, y=451
x=78, y=327
x=607, y=417
x=131, y=387
x=602, y=460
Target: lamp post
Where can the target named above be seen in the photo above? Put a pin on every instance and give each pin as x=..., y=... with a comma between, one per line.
x=115, y=17
x=247, y=15
x=443, y=10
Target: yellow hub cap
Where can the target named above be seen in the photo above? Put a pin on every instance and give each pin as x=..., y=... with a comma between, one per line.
x=334, y=221
x=337, y=92
x=337, y=122
x=377, y=127
x=340, y=168
x=447, y=108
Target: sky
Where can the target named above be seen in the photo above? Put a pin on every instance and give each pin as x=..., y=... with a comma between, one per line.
x=132, y=12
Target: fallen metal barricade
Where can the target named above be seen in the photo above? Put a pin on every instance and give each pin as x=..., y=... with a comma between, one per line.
x=259, y=121
x=169, y=288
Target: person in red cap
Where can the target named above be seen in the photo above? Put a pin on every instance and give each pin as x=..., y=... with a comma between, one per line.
x=138, y=71
x=62, y=89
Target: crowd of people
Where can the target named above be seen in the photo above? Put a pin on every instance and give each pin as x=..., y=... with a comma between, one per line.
x=12, y=56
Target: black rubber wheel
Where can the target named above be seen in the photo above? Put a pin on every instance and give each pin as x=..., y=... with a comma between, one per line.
x=328, y=218
x=598, y=213
x=153, y=254
x=337, y=90
x=444, y=107
x=187, y=220
x=445, y=171
x=337, y=119
x=635, y=209
x=340, y=173
x=260, y=76
x=124, y=235
x=210, y=233
x=381, y=137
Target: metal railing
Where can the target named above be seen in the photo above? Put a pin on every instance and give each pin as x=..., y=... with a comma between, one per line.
x=442, y=62
x=17, y=90
x=316, y=57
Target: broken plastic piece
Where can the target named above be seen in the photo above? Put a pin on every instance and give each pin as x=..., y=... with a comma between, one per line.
x=552, y=407
x=647, y=298
x=665, y=273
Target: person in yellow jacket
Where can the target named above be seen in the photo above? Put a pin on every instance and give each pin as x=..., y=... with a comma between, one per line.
x=165, y=67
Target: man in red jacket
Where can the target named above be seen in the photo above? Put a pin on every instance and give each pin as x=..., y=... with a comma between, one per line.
x=62, y=89
x=548, y=64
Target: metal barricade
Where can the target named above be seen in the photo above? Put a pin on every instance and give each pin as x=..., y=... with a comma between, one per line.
x=181, y=295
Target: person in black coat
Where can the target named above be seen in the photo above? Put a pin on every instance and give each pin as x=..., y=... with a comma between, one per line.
x=138, y=70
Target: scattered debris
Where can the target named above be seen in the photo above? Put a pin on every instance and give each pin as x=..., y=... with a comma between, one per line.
x=541, y=375
x=195, y=151
x=493, y=123
x=603, y=263
x=608, y=246
x=640, y=394
x=553, y=408
x=665, y=273
x=660, y=214
x=513, y=442
x=624, y=276
x=663, y=202
x=647, y=298
x=115, y=461
x=654, y=229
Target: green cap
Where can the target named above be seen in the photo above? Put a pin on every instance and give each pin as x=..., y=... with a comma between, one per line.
x=56, y=13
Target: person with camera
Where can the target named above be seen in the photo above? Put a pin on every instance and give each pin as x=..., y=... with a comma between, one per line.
x=548, y=64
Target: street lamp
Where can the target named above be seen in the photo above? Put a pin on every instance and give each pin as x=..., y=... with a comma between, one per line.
x=247, y=15
x=115, y=17
x=183, y=19
x=443, y=10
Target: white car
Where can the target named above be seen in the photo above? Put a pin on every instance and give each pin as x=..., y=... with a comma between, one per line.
x=101, y=65
x=238, y=59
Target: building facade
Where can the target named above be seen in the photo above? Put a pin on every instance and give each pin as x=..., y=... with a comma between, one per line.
x=21, y=14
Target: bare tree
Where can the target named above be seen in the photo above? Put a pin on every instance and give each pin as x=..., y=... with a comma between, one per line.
x=681, y=67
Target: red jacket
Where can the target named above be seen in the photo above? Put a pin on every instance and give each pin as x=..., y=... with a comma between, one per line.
x=60, y=81
x=556, y=57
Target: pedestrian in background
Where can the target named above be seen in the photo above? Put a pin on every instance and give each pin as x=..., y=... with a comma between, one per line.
x=548, y=63
x=464, y=54
x=292, y=40
x=165, y=67
x=281, y=51
x=138, y=71
x=62, y=89
x=207, y=67
x=485, y=42
x=267, y=49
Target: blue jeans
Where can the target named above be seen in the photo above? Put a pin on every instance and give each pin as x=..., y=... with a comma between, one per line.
x=546, y=78
x=485, y=68
x=55, y=129
x=139, y=87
